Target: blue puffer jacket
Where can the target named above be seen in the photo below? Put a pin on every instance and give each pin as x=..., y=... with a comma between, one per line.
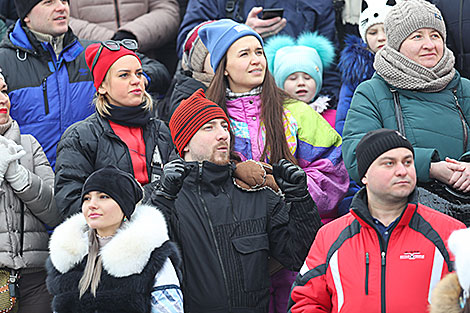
x=301, y=15
x=47, y=95
x=356, y=65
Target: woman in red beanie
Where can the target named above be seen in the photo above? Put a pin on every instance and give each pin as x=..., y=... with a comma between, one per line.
x=123, y=131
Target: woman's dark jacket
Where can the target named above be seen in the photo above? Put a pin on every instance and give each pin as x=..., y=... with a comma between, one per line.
x=91, y=144
x=227, y=235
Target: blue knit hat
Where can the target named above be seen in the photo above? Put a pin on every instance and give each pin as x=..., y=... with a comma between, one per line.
x=220, y=35
x=310, y=53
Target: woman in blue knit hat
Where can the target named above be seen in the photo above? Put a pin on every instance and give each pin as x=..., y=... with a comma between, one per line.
x=267, y=123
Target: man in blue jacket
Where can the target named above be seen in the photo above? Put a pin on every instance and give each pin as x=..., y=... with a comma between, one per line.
x=44, y=64
x=298, y=16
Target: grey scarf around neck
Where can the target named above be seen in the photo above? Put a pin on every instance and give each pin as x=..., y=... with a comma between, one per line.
x=403, y=73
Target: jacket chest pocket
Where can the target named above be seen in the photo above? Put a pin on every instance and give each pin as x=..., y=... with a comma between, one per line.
x=253, y=252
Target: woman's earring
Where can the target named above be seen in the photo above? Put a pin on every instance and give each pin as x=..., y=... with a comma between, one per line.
x=225, y=73
x=125, y=219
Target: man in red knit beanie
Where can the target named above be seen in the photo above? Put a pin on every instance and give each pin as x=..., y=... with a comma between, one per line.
x=227, y=234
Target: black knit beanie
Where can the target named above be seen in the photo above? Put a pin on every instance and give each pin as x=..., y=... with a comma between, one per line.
x=23, y=7
x=375, y=143
x=119, y=185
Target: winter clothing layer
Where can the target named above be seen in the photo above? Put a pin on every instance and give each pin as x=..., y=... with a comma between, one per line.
x=47, y=94
x=131, y=260
x=445, y=296
x=301, y=15
x=152, y=22
x=37, y=202
x=432, y=121
x=55, y=93
x=457, y=19
x=226, y=236
x=356, y=65
x=91, y=144
x=393, y=276
x=311, y=140
x=373, y=13
x=185, y=86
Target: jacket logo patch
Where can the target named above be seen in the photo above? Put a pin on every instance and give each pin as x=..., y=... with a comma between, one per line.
x=412, y=255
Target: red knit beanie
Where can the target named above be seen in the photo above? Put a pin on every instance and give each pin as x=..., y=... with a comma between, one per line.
x=190, y=115
x=105, y=60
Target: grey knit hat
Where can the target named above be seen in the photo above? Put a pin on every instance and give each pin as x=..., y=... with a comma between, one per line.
x=375, y=143
x=408, y=16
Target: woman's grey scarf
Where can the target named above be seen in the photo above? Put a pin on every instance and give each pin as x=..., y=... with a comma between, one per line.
x=403, y=73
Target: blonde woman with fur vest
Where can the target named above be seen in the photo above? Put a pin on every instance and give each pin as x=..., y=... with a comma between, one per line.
x=114, y=256
x=452, y=293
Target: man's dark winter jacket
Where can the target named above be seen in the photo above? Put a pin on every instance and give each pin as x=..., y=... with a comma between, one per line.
x=456, y=15
x=351, y=268
x=92, y=144
x=301, y=15
x=49, y=94
x=227, y=236
x=183, y=87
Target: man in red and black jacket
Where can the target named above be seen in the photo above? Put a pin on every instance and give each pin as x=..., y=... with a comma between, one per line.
x=387, y=254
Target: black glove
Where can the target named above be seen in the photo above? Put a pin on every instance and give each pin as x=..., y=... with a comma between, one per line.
x=122, y=34
x=291, y=179
x=172, y=179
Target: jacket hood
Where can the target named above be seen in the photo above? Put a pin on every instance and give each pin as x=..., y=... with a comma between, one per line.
x=125, y=254
x=356, y=61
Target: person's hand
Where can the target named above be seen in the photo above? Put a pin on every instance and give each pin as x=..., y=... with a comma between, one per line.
x=249, y=174
x=254, y=175
x=460, y=179
x=9, y=154
x=291, y=179
x=122, y=34
x=265, y=28
x=443, y=171
x=172, y=179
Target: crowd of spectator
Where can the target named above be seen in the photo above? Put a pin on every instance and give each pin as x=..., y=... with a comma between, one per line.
x=234, y=156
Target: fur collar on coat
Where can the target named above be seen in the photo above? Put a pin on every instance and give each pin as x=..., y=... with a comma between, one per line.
x=356, y=62
x=125, y=254
x=445, y=296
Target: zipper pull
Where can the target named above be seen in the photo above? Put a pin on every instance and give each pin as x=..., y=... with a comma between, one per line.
x=367, y=258
x=383, y=258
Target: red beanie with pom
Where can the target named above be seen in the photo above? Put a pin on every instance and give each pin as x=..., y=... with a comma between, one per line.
x=190, y=115
x=105, y=60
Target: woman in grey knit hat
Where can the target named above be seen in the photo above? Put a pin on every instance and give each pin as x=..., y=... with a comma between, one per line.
x=417, y=91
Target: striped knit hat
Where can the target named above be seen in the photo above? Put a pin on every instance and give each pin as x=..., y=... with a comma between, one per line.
x=190, y=115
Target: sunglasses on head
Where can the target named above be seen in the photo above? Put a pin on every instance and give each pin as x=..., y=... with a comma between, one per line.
x=113, y=45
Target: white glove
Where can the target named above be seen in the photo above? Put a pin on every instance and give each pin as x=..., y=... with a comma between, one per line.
x=16, y=174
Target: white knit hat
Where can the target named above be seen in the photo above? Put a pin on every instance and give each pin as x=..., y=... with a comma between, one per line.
x=373, y=12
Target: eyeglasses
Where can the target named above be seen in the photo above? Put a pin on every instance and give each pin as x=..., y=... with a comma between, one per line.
x=113, y=45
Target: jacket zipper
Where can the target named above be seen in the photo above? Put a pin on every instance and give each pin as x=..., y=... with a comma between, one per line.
x=116, y=8
x=382, y=288
x=44, y=93
x=206, y=211
x=367, y=273
x=462, y=119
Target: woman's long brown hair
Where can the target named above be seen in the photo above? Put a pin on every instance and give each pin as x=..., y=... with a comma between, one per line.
x=272, y=110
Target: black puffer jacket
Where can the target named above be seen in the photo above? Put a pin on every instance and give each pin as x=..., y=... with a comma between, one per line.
x=227, y=236
x=91, y=144
x=457, y=18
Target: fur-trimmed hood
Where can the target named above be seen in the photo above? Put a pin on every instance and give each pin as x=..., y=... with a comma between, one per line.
x=356, y=62
x=125, y=254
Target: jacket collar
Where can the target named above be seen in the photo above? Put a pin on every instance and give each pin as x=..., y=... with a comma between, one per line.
x=128, y=251
x=210, y=175
x=361, y=211
x=21, y=38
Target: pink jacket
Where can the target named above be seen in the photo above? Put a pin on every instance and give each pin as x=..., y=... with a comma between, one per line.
x=311, y=140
